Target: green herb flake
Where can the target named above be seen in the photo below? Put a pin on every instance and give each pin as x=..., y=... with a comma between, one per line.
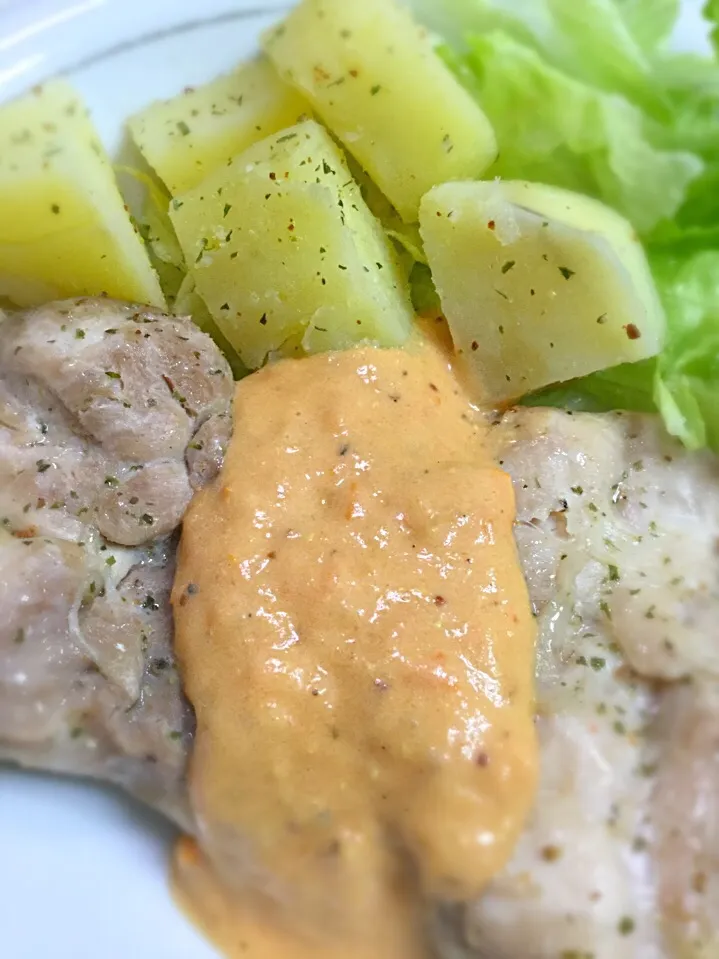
x=566, y=272
x=626, y=926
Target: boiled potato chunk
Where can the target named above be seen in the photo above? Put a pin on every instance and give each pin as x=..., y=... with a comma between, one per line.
x=64, y=229
x=186, y=138
x=374, y=78
x=162, y=245
x=189, y=303
x=538, y=285
x=405, y=235
x=281, y=244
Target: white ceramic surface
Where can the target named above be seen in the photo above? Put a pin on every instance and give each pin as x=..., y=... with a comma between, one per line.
x=83, y=870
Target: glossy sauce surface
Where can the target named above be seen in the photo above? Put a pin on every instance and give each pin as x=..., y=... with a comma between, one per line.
x=355, y=636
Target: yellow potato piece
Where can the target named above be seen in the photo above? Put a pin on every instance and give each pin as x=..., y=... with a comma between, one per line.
x=186, y=138
x=282, y=246
x=372, y=75
x=162, y=246
x=539, y=285
x=189, y=303
x=64, y=228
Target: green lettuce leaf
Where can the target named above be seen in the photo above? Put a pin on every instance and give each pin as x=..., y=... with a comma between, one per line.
x=689, y=288
x=629, y=386
x=425, y=298
x=711, y=13
x=650, y=22
x=687, y=390
x=558, y=130
x=605, y=43
x=687, y=379
x=603, y=50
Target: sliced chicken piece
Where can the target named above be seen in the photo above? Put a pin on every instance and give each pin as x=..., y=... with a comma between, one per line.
x=100, y=404
x=110, y=416
x=618, y=532
x=93, y=691
x=686, y=818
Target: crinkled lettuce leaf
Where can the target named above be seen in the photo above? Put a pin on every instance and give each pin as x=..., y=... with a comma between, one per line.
x=711, y=13
x=687, y=378
x=558, y=130
x=650, y=22
x=605, y=43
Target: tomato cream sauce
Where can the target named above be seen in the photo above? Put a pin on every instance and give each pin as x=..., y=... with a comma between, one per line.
x=355, y=636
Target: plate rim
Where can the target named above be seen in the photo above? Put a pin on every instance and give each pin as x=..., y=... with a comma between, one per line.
x=41, y=39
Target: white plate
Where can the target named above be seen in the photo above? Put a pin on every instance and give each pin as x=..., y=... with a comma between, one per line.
x=83, y=870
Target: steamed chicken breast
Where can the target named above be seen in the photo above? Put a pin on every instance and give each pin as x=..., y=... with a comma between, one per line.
x=110, y=416
x=618, y=530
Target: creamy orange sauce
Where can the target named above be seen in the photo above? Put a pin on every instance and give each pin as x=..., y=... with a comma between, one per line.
x=355, y=636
